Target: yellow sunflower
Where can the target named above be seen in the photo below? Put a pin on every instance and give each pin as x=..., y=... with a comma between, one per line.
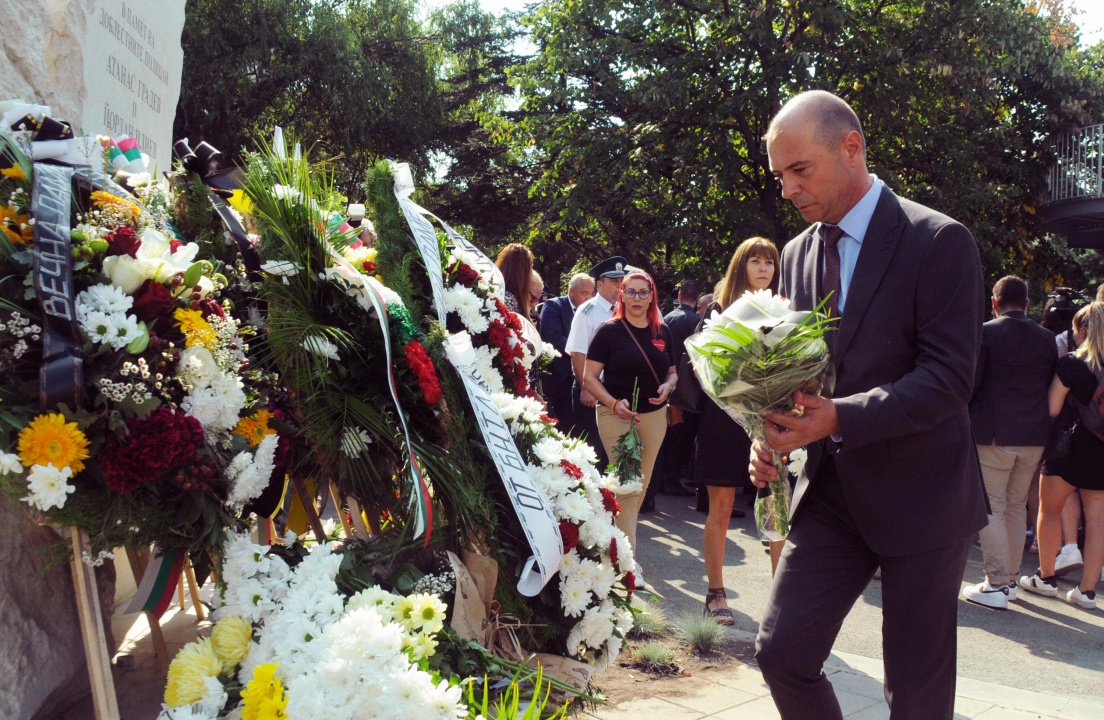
x=196, y=329
x=49, y=440
x=116, y=205
x=255, y=427
x=16, y=225
x=263, y=697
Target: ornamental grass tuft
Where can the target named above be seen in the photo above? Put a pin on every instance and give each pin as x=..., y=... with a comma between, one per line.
x=701, y=632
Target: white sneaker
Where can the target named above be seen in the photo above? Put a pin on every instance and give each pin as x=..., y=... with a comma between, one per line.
x=986, y=595
x=1011, y=590
x=1068, y=561
x=1035, y=584
x=1081, y=599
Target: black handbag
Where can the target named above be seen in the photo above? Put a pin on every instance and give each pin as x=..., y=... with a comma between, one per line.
x=1061, y=434
x=688, y=395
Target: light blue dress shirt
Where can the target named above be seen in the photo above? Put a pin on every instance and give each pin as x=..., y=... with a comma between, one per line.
x=854, y=225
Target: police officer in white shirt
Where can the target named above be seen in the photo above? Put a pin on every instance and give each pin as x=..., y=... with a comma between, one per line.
x=607, y=276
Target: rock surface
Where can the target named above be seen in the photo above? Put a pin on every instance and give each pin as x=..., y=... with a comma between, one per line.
x=41, y=652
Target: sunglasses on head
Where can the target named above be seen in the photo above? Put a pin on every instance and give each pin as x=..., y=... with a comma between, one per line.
x=637, y=294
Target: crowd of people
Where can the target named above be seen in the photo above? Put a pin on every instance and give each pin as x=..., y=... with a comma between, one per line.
x=939, y=428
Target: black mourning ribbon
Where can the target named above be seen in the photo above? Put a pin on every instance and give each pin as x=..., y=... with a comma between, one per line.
x=61, y=376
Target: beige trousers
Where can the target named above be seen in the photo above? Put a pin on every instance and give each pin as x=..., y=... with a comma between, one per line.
x=1007, y=471
x=652, y=427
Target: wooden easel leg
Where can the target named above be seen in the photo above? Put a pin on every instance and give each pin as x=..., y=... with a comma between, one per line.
x=193, y=586
x=180, y=592
x=92, y=631
x=311, y=510
x=358, y=517
x=160, y=649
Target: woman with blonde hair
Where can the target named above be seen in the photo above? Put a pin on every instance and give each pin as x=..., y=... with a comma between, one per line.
x=721, y=445
x=1079, y=380
x=516, y=264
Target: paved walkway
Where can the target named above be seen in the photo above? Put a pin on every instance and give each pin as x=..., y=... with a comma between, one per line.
x=737, y=692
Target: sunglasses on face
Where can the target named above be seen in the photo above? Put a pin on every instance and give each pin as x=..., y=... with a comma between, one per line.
x=637, y=294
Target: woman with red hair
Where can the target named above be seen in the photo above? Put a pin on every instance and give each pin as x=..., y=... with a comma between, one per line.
x=632, y=349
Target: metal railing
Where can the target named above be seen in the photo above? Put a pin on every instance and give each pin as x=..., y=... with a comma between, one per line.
x=1078, y=172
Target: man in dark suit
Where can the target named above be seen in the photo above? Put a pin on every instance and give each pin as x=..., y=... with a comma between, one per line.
x=679, y=441
x=555, y=323
x=1011, y=422
x=892, y=478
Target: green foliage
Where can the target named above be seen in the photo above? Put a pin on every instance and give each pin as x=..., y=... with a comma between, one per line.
x=701, y=632
x=649, y=120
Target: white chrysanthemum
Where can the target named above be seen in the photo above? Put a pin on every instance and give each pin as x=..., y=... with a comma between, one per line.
x=126, y=330
x=99, y=327
x=250, y=479
x=573, y=506
x=218, y=404
x=427, y=612
x=597, y=532
x=10, y=464
x=48, y=486
x=103, y=298
x=320, y=346
x=214, y=697
x=376, y=597
x=797, y=460
x=354, y=441
x=574, y=595
x=483, y=359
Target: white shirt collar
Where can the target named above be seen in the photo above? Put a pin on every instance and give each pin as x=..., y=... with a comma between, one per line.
x=602, y=303
x=857, y=219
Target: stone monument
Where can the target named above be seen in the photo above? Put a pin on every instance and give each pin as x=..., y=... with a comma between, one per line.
x=107, y=66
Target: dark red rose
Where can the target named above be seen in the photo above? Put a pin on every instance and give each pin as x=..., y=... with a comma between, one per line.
x=571, y=469
x=466, y=275
x=210, y=309
x=569, y=531
x=123, y=241
x=151, y=301
x=609, y=502
x=164, y=441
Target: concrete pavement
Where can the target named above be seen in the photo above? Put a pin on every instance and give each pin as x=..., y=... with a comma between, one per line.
x=1043, y=658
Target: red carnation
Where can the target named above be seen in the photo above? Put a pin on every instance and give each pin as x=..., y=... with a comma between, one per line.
x=630, y=581
x=465, y=274
x=211, y=308
x=613, y=551
x=571, y=469
x=417, y=359
x=151, y=301
x=546, y=419
x=123, y=241
x=368, y=267
x=569, y=531
x=163, y=441
x=609, y=502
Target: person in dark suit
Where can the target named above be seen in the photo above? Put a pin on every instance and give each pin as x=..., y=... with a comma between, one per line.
x=892, y=478
x=1011, y=422
x=555, y=323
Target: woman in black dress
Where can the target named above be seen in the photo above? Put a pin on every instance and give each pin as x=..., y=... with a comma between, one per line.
x=1079, y=377
x=721, y=448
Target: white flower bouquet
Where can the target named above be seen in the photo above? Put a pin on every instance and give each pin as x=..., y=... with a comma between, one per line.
x=750, y=360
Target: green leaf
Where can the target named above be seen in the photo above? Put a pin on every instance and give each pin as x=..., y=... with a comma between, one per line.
x=193, y=274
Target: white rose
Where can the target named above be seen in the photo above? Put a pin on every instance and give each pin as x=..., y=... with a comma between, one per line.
x=198, y=366
x=125, y=273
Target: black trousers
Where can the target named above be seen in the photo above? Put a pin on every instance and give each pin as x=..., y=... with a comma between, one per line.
x=560, y=405
x=824, y=568
x=586, y=426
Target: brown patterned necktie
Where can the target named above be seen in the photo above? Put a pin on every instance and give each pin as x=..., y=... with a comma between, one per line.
x=830, y=235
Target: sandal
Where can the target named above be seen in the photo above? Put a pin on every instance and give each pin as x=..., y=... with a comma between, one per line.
x=723, y=615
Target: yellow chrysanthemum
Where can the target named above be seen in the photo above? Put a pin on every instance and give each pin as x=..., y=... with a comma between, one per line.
x=115, y=204
x=14, y=172
x=255, y=427
x=50, y=440
x=16, y=225
x=196, y=329
x=188, y=671
x=263, y=698
x=231, y=639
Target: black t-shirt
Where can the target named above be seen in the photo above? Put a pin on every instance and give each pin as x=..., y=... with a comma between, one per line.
x=623, y=362
x=1076, y=375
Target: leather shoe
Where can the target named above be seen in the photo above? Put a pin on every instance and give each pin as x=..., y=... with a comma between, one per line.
x=738, y=513
x=679, y=491
x=648, y=506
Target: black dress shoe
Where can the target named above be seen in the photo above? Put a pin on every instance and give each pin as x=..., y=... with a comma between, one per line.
x=738, y=513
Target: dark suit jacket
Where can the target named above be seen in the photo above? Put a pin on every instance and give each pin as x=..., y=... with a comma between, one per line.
x=682, y=321
x=904, y=360
x=1014, y=371
x=555, y=323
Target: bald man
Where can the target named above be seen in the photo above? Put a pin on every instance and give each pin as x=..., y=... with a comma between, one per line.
x=892, y=478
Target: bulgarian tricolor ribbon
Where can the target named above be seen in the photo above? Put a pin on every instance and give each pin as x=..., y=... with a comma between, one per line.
x=159, y=581
x=421, y=499
x=125, y=154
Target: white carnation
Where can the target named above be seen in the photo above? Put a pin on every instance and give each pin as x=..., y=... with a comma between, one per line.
x=48, y=486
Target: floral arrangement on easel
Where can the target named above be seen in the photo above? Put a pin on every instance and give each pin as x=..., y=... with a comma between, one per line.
x=168, y=436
